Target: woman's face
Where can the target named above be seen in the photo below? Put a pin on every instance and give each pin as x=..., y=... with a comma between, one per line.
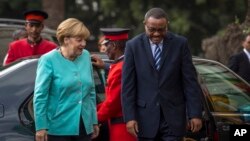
x=75, y=45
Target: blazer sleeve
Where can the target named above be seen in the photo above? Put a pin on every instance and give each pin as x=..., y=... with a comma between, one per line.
x=192, y=90
x=41, y=92
x=233, y=64
x=128, y=84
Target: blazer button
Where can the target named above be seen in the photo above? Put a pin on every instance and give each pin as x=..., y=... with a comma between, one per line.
x=80, y=102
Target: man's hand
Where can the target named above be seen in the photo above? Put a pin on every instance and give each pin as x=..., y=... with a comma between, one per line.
x=97, y=62
x=95, y=132
x=41, y=135
x=132, y=127
x=195, y=124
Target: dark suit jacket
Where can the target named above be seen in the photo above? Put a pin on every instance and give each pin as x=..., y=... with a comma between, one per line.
x=174, y=87
x=240, y=64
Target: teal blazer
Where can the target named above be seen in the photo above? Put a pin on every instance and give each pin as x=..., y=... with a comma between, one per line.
x=64, y=93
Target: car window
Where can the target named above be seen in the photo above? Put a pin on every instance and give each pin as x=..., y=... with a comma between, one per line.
x=227, y=92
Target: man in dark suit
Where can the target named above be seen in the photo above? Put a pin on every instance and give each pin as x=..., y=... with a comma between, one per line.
x=240, y=63
x=159, y=83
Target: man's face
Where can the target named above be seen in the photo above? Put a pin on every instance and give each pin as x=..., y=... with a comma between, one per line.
x=156, y=29
x=34, y=29
x=102, y=48
x=246, y=43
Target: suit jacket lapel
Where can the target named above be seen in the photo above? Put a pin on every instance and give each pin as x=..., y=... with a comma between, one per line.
x=166, y=44
x=245, y=58
x=148, y=51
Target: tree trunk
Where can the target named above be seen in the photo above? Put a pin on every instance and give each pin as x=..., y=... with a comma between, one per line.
x=55, y=9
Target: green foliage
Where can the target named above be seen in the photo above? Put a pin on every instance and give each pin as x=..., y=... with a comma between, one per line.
x=108, y=6
x=200, y=2
x=246, y=30
x=15, y=8
x=137, y=10
x=179, y=20
x=237, y=20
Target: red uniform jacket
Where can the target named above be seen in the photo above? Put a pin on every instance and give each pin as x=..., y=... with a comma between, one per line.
x=111, y=107
x=21, y=48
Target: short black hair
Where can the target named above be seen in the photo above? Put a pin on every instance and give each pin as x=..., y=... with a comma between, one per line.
x=156, y=13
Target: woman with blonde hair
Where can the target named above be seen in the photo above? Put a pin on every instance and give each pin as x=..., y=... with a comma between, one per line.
x=64, y=96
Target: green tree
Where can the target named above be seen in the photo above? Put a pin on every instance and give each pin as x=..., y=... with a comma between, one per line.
x=195, y=19
x=15, y=8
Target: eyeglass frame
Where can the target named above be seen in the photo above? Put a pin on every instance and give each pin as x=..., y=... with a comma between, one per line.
x=153, y=30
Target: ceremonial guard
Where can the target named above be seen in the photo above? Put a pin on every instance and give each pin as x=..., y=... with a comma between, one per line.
x=110, y=109
x=34, y=44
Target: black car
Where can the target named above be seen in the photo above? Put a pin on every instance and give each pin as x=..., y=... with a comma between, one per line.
x=226, y=100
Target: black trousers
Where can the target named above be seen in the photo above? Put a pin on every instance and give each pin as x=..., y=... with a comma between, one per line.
x=81, y=137
x=164, y=133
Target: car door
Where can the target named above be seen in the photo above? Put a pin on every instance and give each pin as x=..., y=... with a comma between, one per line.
x=227, y=98
x=16, y=84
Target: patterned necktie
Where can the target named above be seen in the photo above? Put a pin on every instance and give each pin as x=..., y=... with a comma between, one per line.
x=157, y=56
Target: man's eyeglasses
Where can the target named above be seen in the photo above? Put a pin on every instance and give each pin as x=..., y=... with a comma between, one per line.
x=153, y=30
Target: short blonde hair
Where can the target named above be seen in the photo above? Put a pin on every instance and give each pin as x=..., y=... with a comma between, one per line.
x=71, y=27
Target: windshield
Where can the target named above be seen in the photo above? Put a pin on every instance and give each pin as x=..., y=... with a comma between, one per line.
x=227, y=92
